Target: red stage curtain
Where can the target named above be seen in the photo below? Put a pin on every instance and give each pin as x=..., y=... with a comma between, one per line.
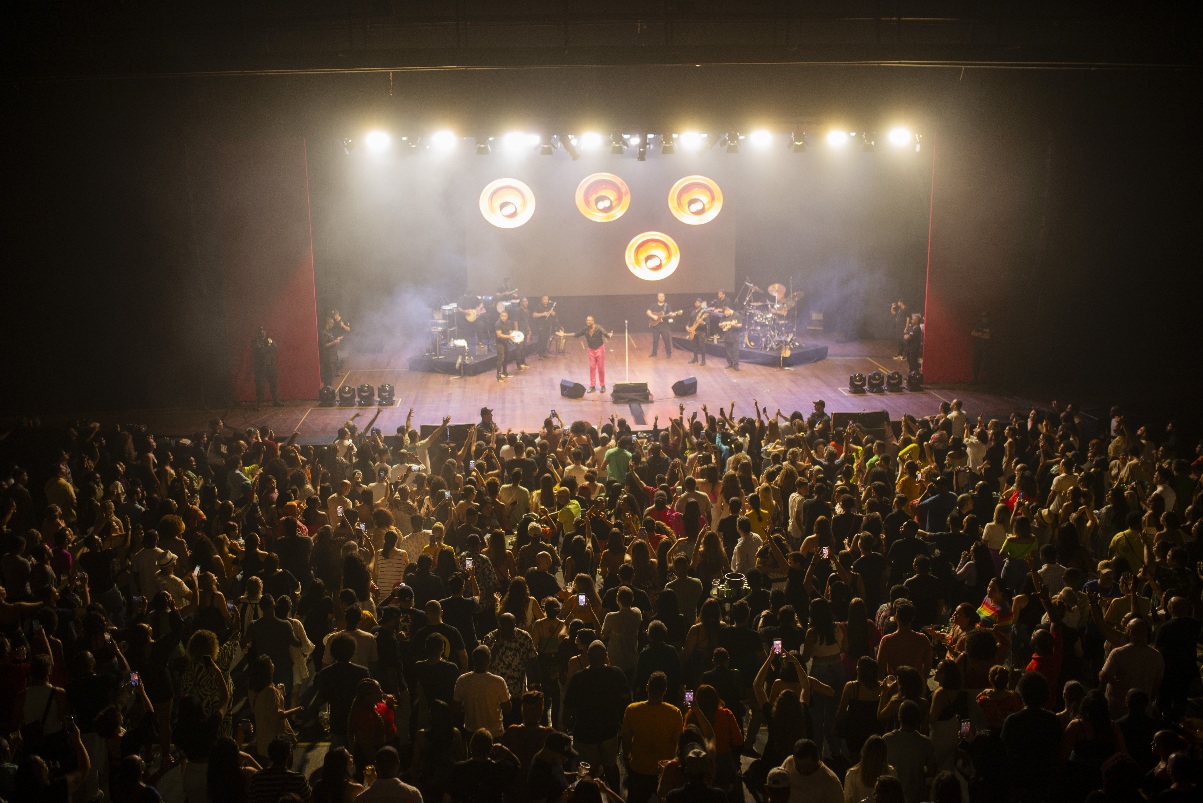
x=267, y=261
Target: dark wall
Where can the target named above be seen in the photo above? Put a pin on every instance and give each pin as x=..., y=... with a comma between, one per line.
x=1071, y=205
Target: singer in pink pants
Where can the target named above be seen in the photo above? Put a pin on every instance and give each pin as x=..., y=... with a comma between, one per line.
x=595, y=340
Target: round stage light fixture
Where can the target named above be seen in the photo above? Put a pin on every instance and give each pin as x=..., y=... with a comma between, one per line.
x=346, y=394
x=507, y=203
x=914, y=381
x=894, y=381
x=668, y=145
x=603, y=197
x=327, y=396
x=591, y=141
x=760, y=138
x=900, y=137
x=443, y=140
x=378, y=141
x=692, y=140
x=877, y=382
x=386, y=395
x=652, y=256
x=366, y=393
x=837, y=138
x=856, y=383
x=695, y=200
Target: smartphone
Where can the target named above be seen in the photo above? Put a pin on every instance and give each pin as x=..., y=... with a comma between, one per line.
x=447, y=495
x=340, y=510
x=37, y=626
x=553, y=413
x=825, y=553
x=363, y=527
x=471, y=465
x=468, y=563
x=232, y=607
x=580, y=600
x=776, y=646
x=195, y=570
x=134, y=680
x=966, y=727
x=689, y=699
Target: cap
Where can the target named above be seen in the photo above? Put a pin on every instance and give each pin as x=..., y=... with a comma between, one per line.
x=485, y=411
x=778, y=778
x=696, y=762
x=561, y=743
x=820, y=403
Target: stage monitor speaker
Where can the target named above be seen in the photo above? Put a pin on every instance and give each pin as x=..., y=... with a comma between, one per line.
x=628, y=392
x=875, y=423
x=571, y=390
x=686, y=387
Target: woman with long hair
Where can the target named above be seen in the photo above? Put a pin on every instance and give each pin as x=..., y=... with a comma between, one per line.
x=719, y=727
x=975, y=571
x=998, y=701
x=591, y=613
x=861, y=636
x=710, y=560
x=547, y=633
x=336, y=783
x=578, y=558
x=949, y=705
x=856, y=713
x=825, y=641
x=267, y=704
x=206, y=680
x=502, y=559
x=667, y=609
x=701, y=640
x=370, y=724
x=436, y=749
x=521, y=604
x=907, y=684
x=1015, y=550
x=1090, y=740
x=646, y=569
x=692, y=520
x=615, y=553
x=861, y=778
x=389, y=568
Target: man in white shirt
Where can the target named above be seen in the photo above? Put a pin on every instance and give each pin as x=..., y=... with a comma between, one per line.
x=365, y=643
x=344, y=447
x=810, y=780
x=576, y=467
x=620, y=629
x=690, y=491
x=743, y=557
x=957, y=418
x=146, y=564
x=482, y=696
x=514, y=499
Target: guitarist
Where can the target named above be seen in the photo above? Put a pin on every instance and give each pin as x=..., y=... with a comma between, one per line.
x=504, y=333
x=660, y=317
x=698, y=331
x=732, y=328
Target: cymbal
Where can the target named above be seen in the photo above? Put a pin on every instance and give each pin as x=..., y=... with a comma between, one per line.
x=777, y=290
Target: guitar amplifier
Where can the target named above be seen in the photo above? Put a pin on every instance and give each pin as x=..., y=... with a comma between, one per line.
x=628, y=392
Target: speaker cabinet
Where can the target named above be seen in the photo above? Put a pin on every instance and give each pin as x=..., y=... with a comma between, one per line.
x=571, y=390
x=627, y=392
x=686, y=387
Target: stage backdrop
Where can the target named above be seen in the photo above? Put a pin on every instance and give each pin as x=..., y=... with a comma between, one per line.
x=267, y=261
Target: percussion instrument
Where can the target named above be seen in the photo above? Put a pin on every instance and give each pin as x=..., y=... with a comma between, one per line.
x=517, y=337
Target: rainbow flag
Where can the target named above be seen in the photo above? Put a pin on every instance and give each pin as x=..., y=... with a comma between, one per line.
x=994, y=614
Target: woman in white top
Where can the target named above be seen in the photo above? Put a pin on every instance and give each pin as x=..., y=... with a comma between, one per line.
x=266, y=701
x=861, y=778
x=995, y=532
x=390, y=566
x=42, y=702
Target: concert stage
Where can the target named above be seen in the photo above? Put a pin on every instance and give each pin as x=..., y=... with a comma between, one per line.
x=802, y=354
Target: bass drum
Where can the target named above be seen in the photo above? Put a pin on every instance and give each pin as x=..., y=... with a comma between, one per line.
x=756, y=338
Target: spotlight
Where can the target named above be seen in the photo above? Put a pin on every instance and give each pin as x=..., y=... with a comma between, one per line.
x=760, y=138
x=894, y=381
x=569, y=146
x=733, y=139
x=385, y=395
x=632, y=139
x=591, y=141
x=378, y=141
x=642, y=152
x=348, y=145
x=798, y=142
x=668, y=145
x=366, y=393
x=326, y=396
x=617, y=144
x=868, y=141
x=914, y=381
x=547, y=146
x=346, y=395
x=900, y=137
x=877, y=382
x=856, y=383
x=692, y=140
x=516, y=140
x=443, y=140
x=837, y=139
x=482, y=146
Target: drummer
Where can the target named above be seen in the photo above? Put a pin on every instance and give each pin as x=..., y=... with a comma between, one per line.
x=779, y=305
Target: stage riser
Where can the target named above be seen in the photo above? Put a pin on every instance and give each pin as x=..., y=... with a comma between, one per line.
x=800, y=355
x=447, y=365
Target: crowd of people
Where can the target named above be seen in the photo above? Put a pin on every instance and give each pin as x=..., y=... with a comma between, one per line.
x=733, y=607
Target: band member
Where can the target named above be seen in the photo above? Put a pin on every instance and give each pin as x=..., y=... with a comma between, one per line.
x=522, y=322
x=506, y=348
x=327, y=341
x=339, y=324
x=901, y=318
x=661, y=317
x=595, y=340
x=733, y=331
x=472, y=323
x=542, y=319
x=263, y=356
x=913, y=338
x=698, y=331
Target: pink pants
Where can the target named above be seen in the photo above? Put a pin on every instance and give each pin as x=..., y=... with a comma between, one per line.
x=597, y=366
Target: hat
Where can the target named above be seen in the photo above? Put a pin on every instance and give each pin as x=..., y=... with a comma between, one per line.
x=485, y=411
x=167, y=560
x=820, y=403
x=696, y=762
x=778, y=778
x=561, y=743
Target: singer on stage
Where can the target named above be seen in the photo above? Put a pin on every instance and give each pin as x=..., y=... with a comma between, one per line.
x=595, y=339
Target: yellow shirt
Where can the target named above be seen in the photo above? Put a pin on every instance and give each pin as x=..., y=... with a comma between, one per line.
x=651, y=731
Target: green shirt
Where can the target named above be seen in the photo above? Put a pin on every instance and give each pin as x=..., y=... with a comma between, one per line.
x=618, y=460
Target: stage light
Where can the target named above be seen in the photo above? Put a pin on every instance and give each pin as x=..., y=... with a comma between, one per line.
x=900, y=137
x=569, y=145
x=837, y=139
x=692, y=140
x=617, y=145
x=914, y=381
x=366, y=393
x=798, y=142
x=894, y=381
x=443, y=140
x=760, y=138
x=518, y=140
x=877, y=382
x=641, y=154
x=868, y=141
x=547, y=146
x=348, y=145
x=733, y=139
x=327, y=396
x=632, y=139
x=591, y=141
x=346, y=395
x=482, y=146
x=668, y=144
x=856, y=383
x=378, y=141
x=385, y=395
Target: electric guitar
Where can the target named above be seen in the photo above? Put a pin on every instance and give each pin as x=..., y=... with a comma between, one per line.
x=729, y=324
x=658, y=318
x=692, y=329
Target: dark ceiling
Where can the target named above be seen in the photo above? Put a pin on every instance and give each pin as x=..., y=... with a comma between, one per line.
x=86, y=38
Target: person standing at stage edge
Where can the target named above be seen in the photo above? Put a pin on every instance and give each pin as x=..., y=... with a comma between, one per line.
x=263, y=357
x=506, y=351
x=913, y=340
x=595, y=340
x=327, y=342
x=660, y=317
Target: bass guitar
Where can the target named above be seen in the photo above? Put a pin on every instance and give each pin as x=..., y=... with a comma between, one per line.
x=700, y=319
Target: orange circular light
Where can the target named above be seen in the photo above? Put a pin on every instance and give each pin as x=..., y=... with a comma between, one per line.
x=603, y=197
x=695, y=200
x=507, y=203
x=653, y=256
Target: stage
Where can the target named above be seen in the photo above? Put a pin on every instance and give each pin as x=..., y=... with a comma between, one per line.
x=524, y=400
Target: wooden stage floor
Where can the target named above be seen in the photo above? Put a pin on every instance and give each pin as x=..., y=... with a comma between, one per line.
x=524, y=400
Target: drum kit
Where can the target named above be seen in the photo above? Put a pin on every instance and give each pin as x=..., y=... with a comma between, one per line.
x=769, y=325
x=445, y=321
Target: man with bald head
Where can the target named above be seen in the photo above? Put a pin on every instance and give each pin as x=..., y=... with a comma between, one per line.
x=1135, y=665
